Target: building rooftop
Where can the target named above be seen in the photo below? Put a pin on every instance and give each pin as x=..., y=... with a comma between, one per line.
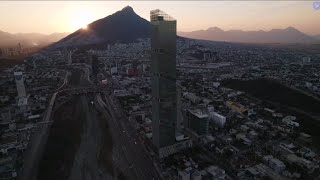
x=199, y=113
x=23, y=101
x=18, y=73
x=158, y=15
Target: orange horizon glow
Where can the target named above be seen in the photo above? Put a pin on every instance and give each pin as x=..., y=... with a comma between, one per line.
x=68, y=16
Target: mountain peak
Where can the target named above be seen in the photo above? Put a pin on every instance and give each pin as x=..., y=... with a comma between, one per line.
x=127, y=9
x=124, y=26
x=290, y=28
x=214, y=29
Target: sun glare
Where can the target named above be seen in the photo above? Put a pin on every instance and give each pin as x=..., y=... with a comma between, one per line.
x=81, y=19
x=85, y=27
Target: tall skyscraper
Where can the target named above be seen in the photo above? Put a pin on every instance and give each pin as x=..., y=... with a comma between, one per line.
x=34, y=64
x=65, y=54
x=163, y=68
x=69, y=59
x=95, y=67
x=20, y=84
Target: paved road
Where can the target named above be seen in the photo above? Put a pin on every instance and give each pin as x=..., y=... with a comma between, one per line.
x=38, y=140
x=36, y=146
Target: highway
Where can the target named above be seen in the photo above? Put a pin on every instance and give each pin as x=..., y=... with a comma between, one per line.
x=36, y=145
x=38, y=140
x=138, y=164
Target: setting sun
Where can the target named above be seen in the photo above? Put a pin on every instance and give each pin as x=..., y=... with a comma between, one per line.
x=81, y=19
x=85, y=27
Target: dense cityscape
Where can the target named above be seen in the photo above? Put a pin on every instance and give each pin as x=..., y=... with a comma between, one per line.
x=165, y=107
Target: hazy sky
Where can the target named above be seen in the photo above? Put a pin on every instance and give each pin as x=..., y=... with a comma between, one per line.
x=68, y=16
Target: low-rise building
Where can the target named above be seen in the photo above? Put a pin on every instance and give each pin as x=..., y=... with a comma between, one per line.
x=197, y=121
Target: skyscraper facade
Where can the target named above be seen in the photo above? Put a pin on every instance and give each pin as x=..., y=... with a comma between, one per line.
x=163, y=68
x=95, y=67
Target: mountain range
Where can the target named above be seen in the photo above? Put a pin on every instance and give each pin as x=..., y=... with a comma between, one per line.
x=317, y=37
x=123, y=26
x=287, y=35
x=29, y=39
x=126, y=26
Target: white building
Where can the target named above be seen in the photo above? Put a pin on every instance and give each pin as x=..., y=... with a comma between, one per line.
x=114, y=70
x=290, y=121
x=20, y=84
x=306, y=60
x=216, y=84
x=144, y=67
x=217, y=119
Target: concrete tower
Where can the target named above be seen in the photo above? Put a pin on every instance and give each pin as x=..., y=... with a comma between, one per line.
x=20, y=84
x=69, y=59
x=163, y=69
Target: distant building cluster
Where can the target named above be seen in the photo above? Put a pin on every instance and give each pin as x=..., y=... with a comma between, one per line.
x=24, y=96
x=19, y=50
